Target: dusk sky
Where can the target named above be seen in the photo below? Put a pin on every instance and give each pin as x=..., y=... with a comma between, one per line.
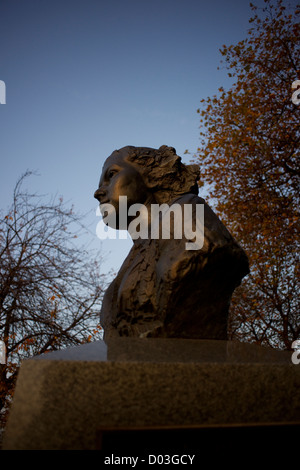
x=86, y=77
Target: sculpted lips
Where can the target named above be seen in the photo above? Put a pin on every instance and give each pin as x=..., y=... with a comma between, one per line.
x=106, y=208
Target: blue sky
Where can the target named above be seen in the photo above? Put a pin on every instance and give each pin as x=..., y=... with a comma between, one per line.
x=85, y=77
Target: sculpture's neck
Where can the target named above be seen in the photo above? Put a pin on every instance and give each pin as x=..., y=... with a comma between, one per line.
x=141, y=224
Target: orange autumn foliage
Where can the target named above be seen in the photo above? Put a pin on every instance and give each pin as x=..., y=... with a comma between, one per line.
x=249, y=159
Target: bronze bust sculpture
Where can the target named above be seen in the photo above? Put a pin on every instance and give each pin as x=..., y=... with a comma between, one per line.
x=163, y=288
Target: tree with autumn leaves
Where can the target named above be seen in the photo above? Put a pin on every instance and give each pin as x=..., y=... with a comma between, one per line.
x=249, y=159
x=50, y=287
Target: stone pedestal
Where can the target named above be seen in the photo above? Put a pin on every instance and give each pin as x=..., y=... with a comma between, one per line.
x=103, y=397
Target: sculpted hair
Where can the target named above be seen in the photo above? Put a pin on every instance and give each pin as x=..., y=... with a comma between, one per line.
x=163, y=171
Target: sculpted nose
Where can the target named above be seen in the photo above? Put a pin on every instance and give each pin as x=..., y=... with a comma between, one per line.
x=99, y=193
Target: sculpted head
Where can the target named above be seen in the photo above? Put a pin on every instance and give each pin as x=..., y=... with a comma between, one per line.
x=145, y=175
x=146, y=170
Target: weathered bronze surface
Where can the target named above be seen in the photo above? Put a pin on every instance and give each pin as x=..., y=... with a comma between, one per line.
x=163, y=289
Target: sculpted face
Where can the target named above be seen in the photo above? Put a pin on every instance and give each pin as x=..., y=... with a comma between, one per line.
x=120, y=178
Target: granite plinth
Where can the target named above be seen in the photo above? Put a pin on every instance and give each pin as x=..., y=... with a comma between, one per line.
x=72, y=401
